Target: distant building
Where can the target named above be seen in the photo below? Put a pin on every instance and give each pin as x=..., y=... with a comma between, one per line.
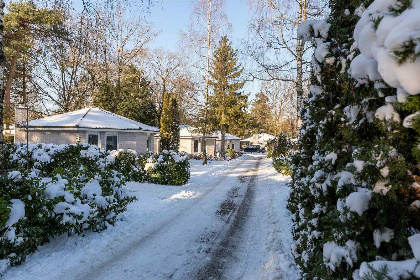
x=89, y=125
x=257, y=139
x=191, y=137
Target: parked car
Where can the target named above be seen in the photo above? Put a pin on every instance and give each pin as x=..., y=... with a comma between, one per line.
x=253, y=149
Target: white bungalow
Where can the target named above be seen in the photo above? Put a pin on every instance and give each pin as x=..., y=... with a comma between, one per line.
x=258, y=139
x=190, y=141
x=89, y=125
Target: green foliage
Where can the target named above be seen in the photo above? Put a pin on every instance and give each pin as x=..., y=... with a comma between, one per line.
x=339, y=156
x=168, y=168
x=55, y=183
x=169, y=123
x=227, y=105
x=135, y=100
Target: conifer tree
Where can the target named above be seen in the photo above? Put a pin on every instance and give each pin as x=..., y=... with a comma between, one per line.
x=174, y=111
x=227, y=105
x=354, y=184
x=169, y=123
x=165, y=123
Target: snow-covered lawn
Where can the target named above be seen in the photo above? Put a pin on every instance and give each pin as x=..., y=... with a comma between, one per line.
x=172, y=232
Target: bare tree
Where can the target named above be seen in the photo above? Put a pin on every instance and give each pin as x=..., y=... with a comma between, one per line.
x=277, y=52
x=208, y=23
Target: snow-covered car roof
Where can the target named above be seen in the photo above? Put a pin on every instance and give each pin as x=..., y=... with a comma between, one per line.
x=91, y=117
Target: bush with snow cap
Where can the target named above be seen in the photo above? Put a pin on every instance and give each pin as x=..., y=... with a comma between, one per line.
x=356, y=176
x=56, y=189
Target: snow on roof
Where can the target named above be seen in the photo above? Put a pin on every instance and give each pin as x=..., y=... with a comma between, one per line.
x=262, y=137
x=187, y=131
x=228, y=136
x=90, y=117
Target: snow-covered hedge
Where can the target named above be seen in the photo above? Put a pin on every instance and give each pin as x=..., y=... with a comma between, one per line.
x=50, y=190
x=356, y=184
x=54, y=189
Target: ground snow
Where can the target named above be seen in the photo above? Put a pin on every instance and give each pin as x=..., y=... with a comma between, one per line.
x=169, y=230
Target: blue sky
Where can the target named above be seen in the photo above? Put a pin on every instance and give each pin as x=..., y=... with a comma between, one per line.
x=173, y=16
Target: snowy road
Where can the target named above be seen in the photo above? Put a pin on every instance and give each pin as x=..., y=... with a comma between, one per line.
x=229, y=222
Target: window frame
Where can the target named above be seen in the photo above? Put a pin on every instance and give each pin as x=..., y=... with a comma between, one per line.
x=111, y=135
x=93, y=133
x=194, y=150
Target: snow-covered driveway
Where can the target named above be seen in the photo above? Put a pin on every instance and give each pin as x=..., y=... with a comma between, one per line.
x=229, y=222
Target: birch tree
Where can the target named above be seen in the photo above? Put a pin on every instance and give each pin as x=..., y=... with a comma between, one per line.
x=278, y=54
x=207, y=22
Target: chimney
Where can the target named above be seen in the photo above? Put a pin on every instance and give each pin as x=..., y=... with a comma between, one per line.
x=20, y=114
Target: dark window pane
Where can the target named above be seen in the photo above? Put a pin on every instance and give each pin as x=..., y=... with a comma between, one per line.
x=93, y=139
x=111, y=143
x=195, y=146
x=148, y=145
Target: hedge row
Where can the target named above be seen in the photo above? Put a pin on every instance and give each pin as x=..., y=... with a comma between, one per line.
x=49, y=190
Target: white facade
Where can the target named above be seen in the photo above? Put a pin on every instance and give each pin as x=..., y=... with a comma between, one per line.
x=95, y=126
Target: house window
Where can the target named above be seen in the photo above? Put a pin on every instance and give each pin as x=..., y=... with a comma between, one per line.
x=111, y=142
x=195, y=146
x=233, y=146
x=148, y=144
x=93, y=139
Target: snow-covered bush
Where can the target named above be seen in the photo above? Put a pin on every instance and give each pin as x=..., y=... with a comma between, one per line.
x=54, y=189
x=126, y=162
x=279, y=150
x=167, y=167
x=356, y=190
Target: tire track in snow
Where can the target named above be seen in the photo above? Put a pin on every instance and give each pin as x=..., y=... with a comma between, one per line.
x=162, y=228
x=215, y=267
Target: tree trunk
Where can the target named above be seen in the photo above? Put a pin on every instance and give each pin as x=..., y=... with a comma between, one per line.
x=223, y=141
x=203, y=143
x=9, y=82
x=2, y=68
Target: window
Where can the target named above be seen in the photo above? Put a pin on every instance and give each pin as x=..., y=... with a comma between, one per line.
x=195, y=146
x=111, y=143
x=93, y=139
x=233, y=146
x=148, y=144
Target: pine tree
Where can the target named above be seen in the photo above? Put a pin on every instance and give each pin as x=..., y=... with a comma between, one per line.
x=174, y=124
x=165, y=123
x=135, y=101
x=169, y=123
x=227, y=105
x=354, y=175
x=262, y=118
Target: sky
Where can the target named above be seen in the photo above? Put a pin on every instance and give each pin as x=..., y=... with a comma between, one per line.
x=173, y=16
x=170, y=17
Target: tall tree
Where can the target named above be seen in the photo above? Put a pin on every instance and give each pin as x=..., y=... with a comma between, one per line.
x=226, y=102
x=275, y=49
x=169, y=123
x=24, y=25
x=207, y=22
x=262, y=117
x=174, y=110
x=137, y=100
x=2, y=70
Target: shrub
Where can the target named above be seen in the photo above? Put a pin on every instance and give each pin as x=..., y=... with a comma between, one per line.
x=51, y=190
x=167, y=168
